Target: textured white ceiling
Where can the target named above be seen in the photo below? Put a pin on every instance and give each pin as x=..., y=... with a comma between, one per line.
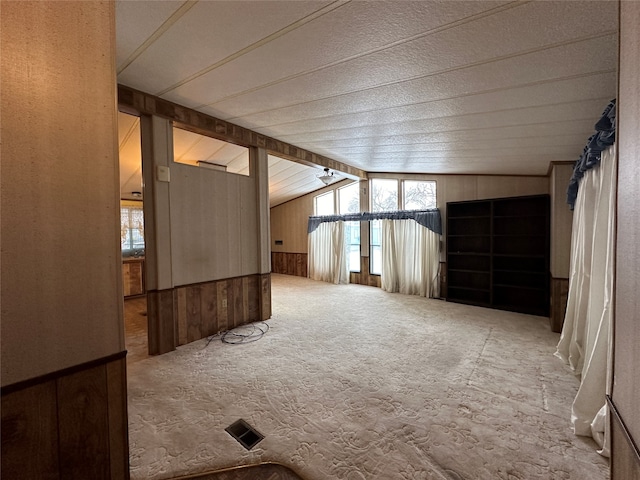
x=474, y=87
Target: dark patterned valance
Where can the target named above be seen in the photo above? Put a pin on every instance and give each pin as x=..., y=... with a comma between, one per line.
x=603, y=138
x=427, y=218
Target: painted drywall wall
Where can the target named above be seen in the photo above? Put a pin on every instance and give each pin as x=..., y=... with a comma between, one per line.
x=61, y=279
x=289, y=220
x=561, y=220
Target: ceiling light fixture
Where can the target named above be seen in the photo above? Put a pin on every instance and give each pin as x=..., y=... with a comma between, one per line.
x=327, y=177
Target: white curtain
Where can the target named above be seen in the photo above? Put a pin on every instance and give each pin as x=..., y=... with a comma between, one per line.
x=410, y=258
x=328, y=253
x=585, y=343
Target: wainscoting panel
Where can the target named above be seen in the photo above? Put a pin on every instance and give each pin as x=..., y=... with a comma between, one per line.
x=161, y=312
x=289, y=263
x=69, y=425
x=559, y=294
x=30, y=433
x=204, y=309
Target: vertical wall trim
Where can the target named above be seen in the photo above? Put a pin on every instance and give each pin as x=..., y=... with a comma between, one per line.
x=157, y=150
x=260, y=166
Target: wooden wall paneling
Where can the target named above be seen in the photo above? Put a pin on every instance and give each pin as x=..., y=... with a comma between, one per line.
x=559, y=294
x=253, y=294
x=209, y=308
x=118, y=419
x=246, y=317
x=193, y=314
x=181, y=315
x=163, y=328
x=30, y=433
x=83, y=425
x=223, y=306
x=235, y=301
x=265, y=296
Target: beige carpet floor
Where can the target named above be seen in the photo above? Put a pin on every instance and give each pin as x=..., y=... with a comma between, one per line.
x=355, y=383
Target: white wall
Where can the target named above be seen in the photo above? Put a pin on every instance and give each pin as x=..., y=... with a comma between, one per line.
x=61, y=277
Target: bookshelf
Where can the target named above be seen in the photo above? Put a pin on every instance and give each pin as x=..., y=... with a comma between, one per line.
x=498, y=253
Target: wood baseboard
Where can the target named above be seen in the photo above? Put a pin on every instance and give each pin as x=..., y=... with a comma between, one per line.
x=289, y=263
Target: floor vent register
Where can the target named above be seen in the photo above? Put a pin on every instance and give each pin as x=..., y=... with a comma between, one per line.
x=244, y=433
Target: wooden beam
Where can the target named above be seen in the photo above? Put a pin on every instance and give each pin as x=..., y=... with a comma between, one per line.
x=137, y=102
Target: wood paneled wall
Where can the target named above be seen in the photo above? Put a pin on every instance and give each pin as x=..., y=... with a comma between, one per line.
x=626, y=330
x=188, y=313
x=68, y=425
x=289, y=263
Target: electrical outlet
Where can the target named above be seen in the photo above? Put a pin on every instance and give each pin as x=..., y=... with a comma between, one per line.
x=224, y=303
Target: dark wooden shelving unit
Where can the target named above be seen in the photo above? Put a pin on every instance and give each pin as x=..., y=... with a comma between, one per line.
x=498, y=253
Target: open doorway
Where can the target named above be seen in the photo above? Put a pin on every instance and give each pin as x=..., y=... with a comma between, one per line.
x=132, y=237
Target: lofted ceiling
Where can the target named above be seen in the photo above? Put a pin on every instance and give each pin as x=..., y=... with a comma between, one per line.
x=442, y=87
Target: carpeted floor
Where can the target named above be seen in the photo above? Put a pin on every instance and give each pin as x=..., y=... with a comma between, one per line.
x=353, y=383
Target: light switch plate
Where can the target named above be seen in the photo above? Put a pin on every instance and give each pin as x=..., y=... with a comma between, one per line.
x=162, y=173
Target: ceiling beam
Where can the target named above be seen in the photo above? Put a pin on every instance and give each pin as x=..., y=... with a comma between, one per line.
x=137, y=102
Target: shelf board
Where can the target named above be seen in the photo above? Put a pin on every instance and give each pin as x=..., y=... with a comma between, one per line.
x=467, y=235
x=471, y=289
x=541, y=235
x=462, y=217
x=518, y=255
x=519, y=287
x=520, y=216
x=480, y=254
x=526, y=272
x=466, y=270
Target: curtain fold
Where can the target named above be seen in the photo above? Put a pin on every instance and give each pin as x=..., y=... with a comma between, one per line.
x=328, y=253
x=410, y=258
x=586, y=339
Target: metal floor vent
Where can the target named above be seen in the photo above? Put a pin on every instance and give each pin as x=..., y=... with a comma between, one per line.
x=244, y=433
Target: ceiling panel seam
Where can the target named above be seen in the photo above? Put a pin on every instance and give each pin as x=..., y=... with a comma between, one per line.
x=447, y=143
x=132, y=129
x=166, y=25
x=432, y=74
x=550, y=122
x=263, y=41
x=453, y=97
x=433, y=31
x=443, y=117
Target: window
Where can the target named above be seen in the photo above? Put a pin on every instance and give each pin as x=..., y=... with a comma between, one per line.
x=384, y=195
x=323, y=204
x=419, y=195
x=416, y=195
x=349, y=202
x=132, y=230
